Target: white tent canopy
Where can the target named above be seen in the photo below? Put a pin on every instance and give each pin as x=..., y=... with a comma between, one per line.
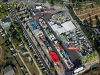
x=38, y=7
x=68, y=25
x=58, y=29
x=61, y=30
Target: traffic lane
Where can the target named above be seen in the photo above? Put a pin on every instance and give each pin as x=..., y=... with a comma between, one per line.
x=36, y=51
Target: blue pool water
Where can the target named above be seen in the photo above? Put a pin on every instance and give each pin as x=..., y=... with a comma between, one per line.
x=34, y=25
x=6, y=24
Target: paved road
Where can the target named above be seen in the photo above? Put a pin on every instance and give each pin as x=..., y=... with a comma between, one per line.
x=32, y=43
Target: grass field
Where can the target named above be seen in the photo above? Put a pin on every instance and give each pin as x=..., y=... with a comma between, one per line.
x=1, y=40
x=31, y=66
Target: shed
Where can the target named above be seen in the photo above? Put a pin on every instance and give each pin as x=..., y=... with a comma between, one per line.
x=6, y=20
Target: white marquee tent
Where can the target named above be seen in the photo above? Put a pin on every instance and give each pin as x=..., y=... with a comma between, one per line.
x=68, y=25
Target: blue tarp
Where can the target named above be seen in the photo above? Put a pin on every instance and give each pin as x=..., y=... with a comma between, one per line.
x=34, y=24
x=66, y=55
x=31, y=10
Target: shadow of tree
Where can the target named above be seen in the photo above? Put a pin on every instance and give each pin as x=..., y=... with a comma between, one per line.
x=98, y=23
x=97, y=20
x=91, y=21
x=85, y=22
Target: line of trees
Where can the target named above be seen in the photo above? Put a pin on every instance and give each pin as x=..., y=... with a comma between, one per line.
x=53, y=2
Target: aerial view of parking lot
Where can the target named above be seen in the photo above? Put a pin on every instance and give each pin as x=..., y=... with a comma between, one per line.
x=55, y=37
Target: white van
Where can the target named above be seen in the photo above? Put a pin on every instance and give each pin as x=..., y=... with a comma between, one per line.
x=79, y=69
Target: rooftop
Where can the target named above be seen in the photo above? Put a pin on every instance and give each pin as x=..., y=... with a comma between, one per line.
x=8, y=70
x=24, y=50
x=68, y=25
x=6, y=20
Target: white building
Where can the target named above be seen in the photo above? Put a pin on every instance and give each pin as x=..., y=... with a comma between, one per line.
x=63, y=28
x=68, y=25
x=57, y=28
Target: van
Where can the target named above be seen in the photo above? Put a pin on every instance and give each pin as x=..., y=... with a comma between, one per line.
x=79, y=69
x=97, y=31
x=1, y=30
x=3, y=35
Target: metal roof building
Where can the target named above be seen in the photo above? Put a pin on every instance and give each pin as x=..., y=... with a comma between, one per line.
x=8, y=71
x=57, y=28
x=68, y=25
x=60, y=30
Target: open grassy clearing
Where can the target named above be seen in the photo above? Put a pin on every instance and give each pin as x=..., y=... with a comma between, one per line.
x=1, y=40
x=30, y=65
x=21, y=63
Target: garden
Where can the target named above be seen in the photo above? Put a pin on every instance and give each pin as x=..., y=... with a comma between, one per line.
x=89, y=13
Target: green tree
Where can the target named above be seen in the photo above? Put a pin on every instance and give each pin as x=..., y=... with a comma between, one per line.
x=79, y=5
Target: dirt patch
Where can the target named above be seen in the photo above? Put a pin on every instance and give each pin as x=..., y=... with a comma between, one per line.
x=1, y=40
x=87, y=12
x=1, y=54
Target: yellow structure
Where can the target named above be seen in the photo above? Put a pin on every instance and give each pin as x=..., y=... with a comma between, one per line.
x=58, y=67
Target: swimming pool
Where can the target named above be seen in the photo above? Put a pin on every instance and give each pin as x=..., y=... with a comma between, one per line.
x=34, y=25
x=6, y=24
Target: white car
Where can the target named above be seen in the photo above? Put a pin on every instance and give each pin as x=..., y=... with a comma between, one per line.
x=1, y=30
x=3, y=35
x=11, y=49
